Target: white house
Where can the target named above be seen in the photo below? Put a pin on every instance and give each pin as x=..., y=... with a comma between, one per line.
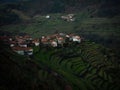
x=28, y=51
x=76, y=39
x=53, y=43
x=10, y=39
x=36, y=42
x=12, y=43
x=69, y=17
x=48, y=16
x=23, y=45
x=60, y=40
x=23, y=50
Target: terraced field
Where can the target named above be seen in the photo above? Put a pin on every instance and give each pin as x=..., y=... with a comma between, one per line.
x=18, y=72
x=86, y=66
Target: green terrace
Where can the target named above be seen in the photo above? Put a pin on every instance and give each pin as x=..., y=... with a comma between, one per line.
x=83, y=66
x=86, y=66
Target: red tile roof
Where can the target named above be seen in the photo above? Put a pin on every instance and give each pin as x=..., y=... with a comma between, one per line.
x=21, y=48
x=4, y=38
x=13, y=42
x=44, y=40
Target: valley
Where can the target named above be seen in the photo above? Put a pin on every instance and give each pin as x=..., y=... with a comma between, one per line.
x=59, y=45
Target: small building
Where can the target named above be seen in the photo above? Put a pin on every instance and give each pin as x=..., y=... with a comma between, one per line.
x=27, y=37
x=60, y=40
x=12, y=43
x=44, y=41
x=36, y=42
x=69, y=17
x=53, y=43
x=62, y=34
x=76, y=39
x=23, y=44
x=20, y=40
x=48, y=16
x=23, y=50
x=10, y=39
x=4, y=38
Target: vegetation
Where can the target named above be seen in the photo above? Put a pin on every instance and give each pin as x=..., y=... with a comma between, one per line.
x=96, y=20
x=30, y=8
x=85, y=66
x=100, y=30
x=19, y=72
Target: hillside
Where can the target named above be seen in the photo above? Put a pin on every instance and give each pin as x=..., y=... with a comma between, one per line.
x=100, y=30
x=85, y=66
x=30, y=8
x=19, y=72
x=103, y=7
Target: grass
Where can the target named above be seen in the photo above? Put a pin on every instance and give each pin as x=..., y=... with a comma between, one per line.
x=84, y=25
x=81, y=74
x=105, y=31
x=22, y=73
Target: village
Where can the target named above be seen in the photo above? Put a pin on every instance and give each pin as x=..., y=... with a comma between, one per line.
x=68, y=17
x=22, y=44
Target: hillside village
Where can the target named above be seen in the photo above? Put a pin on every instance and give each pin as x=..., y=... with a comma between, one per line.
x=22, y=44
x=68, y=17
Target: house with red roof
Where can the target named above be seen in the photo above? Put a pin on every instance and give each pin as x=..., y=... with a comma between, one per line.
x=12, y=43
x=44, y=41
x=23, y=50
x=36, y=42
x=74, y=38
x=53, y=43
x=69, y=17
x=60, y=40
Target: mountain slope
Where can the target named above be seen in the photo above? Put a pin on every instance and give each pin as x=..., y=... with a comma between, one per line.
x=104, y=8
x=84, y=66
x=31, y=8
x=18, y=72
x=101, y=30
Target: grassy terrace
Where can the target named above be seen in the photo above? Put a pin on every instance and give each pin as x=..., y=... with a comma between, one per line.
x=18, y=72
x=85, y=67
x=83, y=25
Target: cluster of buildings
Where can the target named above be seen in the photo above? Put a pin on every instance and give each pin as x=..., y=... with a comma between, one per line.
x=19, y=44
x=22, y=44
x=60, y=39
x=68, y=17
